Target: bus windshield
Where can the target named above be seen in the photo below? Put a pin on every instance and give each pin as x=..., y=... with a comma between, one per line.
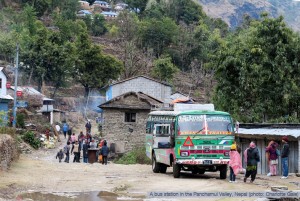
x=204, y=124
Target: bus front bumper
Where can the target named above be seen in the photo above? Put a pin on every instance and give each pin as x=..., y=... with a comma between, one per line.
x=202, y=161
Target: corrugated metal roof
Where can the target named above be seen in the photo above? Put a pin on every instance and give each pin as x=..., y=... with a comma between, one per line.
x=109, y=13
x=161, y=82
x=8, y=97
x=31, y=91
x=270, y=131
x=144, y=97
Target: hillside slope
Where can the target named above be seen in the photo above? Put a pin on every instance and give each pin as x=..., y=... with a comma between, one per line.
x=232, y=11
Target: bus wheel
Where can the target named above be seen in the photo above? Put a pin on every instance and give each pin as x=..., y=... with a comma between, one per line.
x=176, y=170
x=201, y=171
x=162, y=168
x=155, y=165
x=223, y=172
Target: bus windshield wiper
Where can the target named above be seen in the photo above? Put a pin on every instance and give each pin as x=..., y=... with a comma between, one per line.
x=199, y=130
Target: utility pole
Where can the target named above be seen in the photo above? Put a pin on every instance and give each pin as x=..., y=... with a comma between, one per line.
x=16, y=87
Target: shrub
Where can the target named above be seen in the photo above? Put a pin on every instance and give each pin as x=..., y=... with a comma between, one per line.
x=20, y=120
x=136, y=156
x=8, y=130
x=30, y=138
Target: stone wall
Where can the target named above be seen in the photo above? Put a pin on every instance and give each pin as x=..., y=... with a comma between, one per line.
x=127, y=134
x=8, y=151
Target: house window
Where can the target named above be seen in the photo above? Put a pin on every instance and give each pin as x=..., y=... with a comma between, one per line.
x=130, y=117
x=0, y=83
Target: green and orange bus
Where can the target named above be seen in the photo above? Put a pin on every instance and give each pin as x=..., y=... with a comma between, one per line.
x=197, y=141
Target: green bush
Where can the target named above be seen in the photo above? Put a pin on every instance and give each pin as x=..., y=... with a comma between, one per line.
x=20, y=120
x=30, y=138
x=136, y=156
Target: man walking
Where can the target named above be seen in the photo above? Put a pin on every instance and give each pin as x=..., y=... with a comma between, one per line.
x=88, y=126
x=251, y=158
x=85, y=148
x=65, y=129
x=285, y=157
x=76, y=150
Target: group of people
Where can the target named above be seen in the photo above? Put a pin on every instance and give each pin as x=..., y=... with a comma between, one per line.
x=81, y=143
x=252, y=158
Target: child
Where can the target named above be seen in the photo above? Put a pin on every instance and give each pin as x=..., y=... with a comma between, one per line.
x=60, y=155
x=235, y=163
x=104, y=153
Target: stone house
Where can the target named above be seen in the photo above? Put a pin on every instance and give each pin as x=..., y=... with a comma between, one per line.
x=262, y=134
x=156, y=89
x=124, y=119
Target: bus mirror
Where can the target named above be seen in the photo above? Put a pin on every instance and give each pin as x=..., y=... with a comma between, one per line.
x=164, y=145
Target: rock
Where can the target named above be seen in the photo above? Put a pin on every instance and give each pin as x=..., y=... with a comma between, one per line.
x=107, y=194
x=279, y=188
x=298, y=174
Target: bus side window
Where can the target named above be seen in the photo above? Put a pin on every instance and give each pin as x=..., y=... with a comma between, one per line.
x=162, y=130
x=148, y=127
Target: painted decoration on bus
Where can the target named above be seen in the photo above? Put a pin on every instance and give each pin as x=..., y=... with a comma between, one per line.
x=204, y=125
x=161, y=119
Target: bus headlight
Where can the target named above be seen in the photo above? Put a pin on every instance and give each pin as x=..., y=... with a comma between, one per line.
x=184, y=153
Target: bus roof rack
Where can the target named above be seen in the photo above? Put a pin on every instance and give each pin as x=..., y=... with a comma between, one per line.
x=180, y=107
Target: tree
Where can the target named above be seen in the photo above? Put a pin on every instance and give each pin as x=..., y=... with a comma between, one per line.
x=69, y=9
x=158, y=34
x=41, y=6
x=135, y=60
x=7, y=46
x=262, y=61
x=46, y=56
x=93, y=69
x=164, y=69
x=98, y=25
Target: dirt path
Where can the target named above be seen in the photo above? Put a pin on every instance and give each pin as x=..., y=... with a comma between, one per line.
x=41, y=172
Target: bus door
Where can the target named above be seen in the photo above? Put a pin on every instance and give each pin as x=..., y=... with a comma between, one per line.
x=161, y=136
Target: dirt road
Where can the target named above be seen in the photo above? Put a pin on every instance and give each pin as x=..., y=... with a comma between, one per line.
x=41, y=172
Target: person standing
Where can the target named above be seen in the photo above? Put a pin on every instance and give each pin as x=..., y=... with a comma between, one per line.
x=93, y=144
x=76, y=150
x=252, y=156
x=235, y=162
x=271, y=152
x=73, y=138
x=88, y=126
x=104, y=153
x=69, y=132
x=65, y=129
x=85, y=148
x=67, y=152
x=81, y=138
x=285, y=157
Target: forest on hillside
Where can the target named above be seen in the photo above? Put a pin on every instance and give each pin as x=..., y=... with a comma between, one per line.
x=252, y=72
